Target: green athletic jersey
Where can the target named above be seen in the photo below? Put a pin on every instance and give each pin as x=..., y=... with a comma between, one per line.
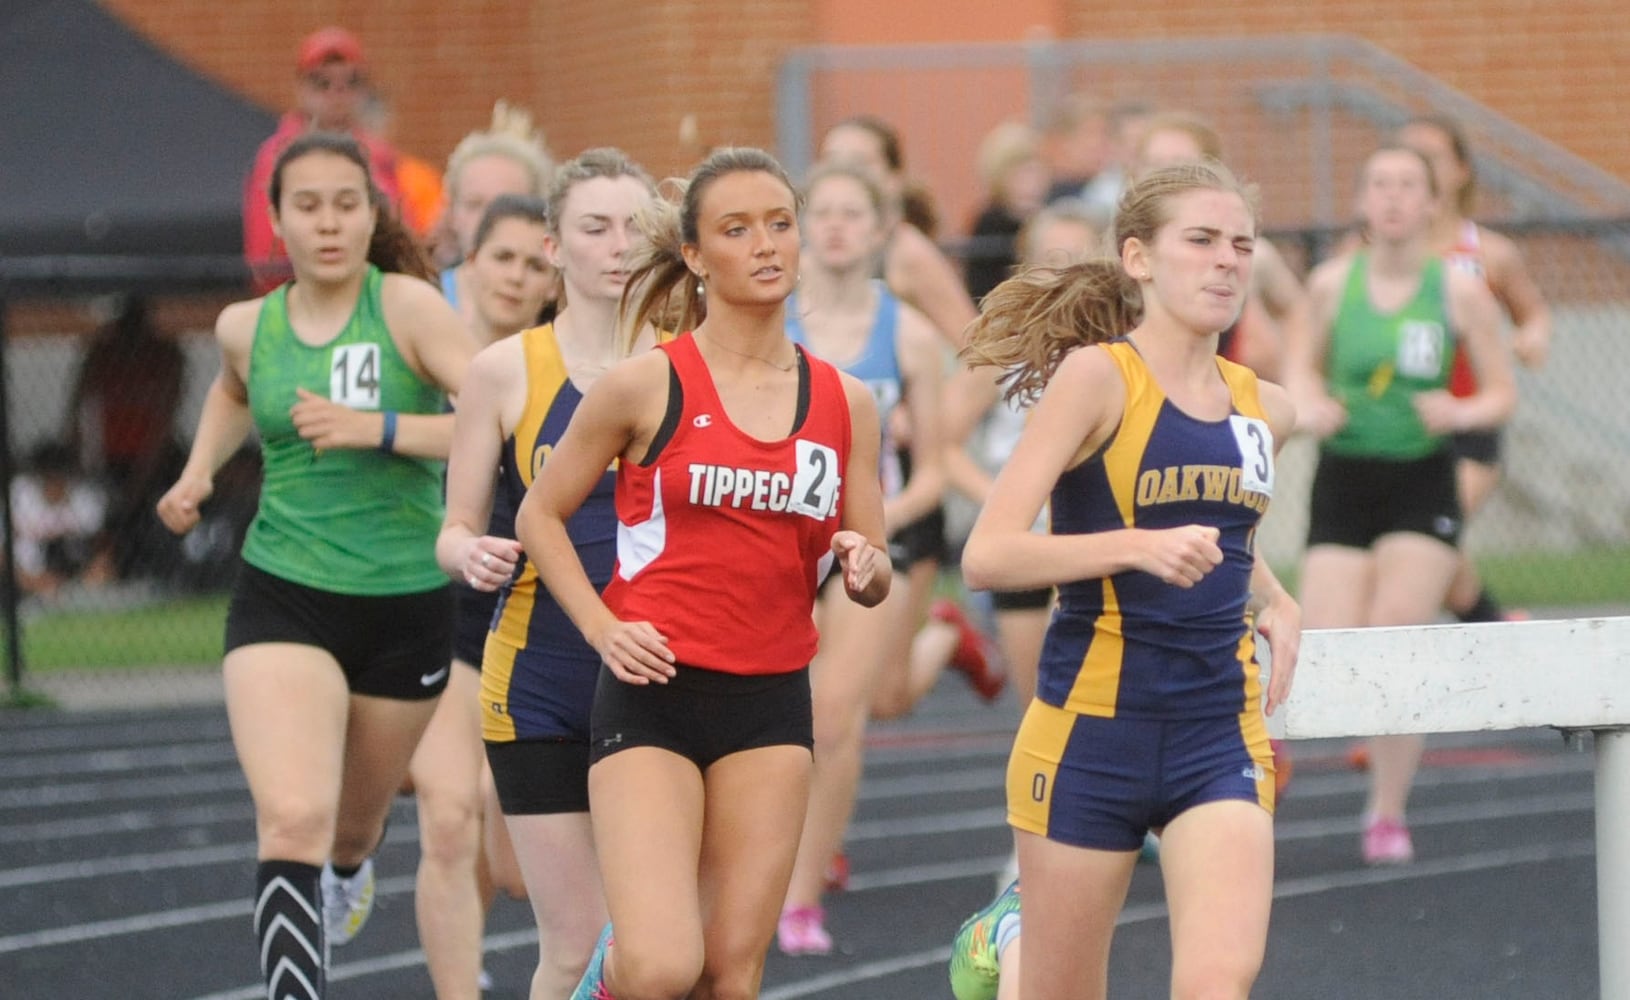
x=349, y=521
x=1378, y=362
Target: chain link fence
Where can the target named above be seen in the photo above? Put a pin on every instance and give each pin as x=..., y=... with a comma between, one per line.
x=102, y=398
x=136, y=615
x=106, y=364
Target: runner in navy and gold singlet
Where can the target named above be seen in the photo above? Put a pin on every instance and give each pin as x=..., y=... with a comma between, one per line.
x=1157, y=460
x=340, y=627
x=465, y=858
x=734, y=449
x=534, y=685
x=537, y=672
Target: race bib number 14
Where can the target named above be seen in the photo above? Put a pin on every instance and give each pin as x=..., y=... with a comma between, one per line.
x=353, y=376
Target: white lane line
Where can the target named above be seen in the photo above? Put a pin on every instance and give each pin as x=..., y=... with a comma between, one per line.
x=867, y=881
x=80, y=736
x=1362, y=878
x=961, y=821
x=131, y=761
x=394, y=962
x=130, y=821
x=160, y=920
x=82, y=792
x=861, y=973
x=187, y=857
x=68, y=871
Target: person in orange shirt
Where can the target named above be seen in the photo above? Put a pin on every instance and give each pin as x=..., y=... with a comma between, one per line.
x=331, y=86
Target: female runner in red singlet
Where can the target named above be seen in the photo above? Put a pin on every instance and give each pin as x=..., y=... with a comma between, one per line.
x=745, y=469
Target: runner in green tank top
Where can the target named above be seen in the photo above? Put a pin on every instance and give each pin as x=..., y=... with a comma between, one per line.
x=340, y=627
x=347, y=520
x=1384, y=516
x=1381, y=360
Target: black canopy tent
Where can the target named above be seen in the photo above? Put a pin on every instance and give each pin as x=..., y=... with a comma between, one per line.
x=120, y=170
x=111, y=147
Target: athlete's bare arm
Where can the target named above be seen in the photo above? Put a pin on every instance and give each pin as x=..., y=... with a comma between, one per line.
x=494, y=385
x=223, y=424
x=921, y=275
x=921, y=375
x=1316, y=412
x=860, y=543
x=1516, y=290
x=1278, y=616
x=616, y=420
x=969, y=395
x=1476, y=318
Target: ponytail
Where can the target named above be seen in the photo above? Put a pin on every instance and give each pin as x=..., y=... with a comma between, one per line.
x=661, y=289
x=1032, y=320
x=393, y=247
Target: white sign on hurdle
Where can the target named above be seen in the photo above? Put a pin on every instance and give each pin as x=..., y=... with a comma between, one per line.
x=1569, y=674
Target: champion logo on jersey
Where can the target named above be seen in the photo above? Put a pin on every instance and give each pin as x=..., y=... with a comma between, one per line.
x=703, y=420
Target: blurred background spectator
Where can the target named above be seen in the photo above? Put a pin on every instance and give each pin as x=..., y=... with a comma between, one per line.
x=59, y=517
x=330, y=89
x=1017, y=180
x=121, y=423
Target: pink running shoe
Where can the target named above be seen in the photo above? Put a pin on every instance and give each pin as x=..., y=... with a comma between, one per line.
x=802, y=931
x=1387, y=842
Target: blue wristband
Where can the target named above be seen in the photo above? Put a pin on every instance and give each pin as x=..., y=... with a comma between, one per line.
x=387, y=440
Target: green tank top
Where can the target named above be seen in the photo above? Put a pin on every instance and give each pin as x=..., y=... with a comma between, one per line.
x=1380, y=361
x=348, y=521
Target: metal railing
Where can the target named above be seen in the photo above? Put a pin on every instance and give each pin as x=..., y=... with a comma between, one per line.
x=1296, y=113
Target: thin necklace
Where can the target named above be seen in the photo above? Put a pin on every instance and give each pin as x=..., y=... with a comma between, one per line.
x=789, y=366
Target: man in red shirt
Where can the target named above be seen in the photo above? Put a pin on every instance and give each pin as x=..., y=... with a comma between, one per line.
x=329, y=97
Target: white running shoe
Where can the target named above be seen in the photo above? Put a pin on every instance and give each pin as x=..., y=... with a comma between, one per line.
x=347, y=902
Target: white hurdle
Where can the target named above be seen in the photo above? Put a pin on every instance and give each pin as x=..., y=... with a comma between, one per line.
x=1573, y=675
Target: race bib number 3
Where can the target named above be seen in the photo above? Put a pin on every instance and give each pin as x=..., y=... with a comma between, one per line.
x=353, y=376
x=1255, y=441
x=815, y=483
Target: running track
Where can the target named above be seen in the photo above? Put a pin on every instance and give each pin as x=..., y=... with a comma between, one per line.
x=126, y=847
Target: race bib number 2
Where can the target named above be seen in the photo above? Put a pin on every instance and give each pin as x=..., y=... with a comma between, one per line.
x=815, y=482
x=353, y=376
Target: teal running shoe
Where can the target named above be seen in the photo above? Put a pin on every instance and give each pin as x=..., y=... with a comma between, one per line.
x=593, y=984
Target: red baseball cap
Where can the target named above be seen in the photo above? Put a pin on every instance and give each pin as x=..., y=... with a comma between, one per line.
x=327, y=45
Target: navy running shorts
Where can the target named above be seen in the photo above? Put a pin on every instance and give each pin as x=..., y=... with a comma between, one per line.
x=1103, y=783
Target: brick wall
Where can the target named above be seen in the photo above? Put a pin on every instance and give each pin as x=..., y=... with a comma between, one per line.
x=1551, y=67
x=1556, y=68
x=442, y=64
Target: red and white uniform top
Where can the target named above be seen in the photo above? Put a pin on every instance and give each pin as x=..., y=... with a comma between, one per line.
x=723, y=539
x=1465, y=255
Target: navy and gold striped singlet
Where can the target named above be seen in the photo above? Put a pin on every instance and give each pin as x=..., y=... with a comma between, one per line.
x=1128, y=645
x=538, y=672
